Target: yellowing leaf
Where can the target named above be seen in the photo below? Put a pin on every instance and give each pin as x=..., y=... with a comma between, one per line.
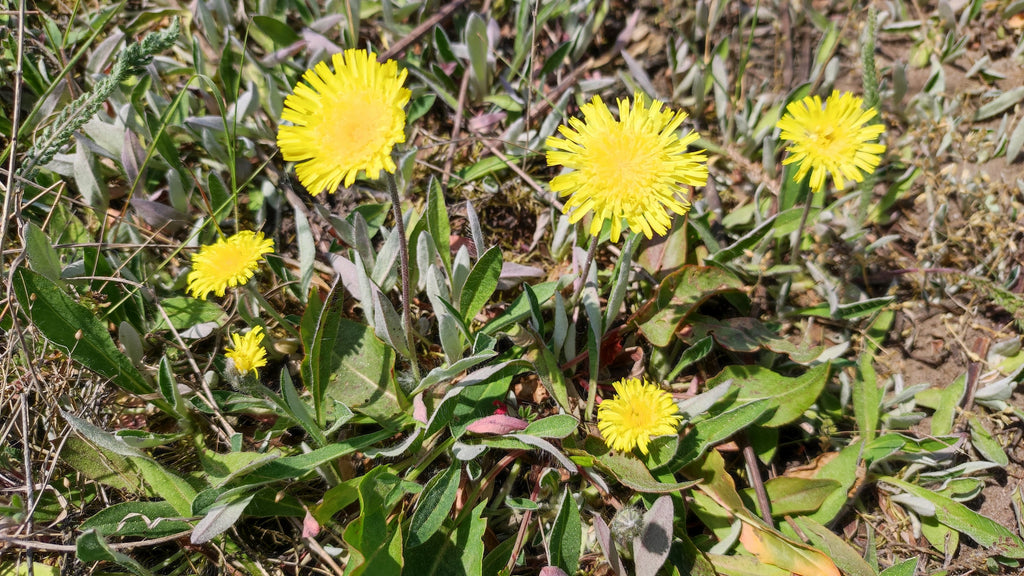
x=772, y=548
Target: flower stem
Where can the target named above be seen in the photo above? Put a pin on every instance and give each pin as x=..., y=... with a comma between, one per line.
x=403, y=246
x=797, y=238
x=591, y=253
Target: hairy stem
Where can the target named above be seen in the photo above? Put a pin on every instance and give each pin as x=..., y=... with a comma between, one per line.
x=403, y=245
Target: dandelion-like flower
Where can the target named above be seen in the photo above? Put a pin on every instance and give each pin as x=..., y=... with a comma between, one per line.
x=632, y=168
x=833, y=138
x=228, y=262
x=344, y=121
x=248, y=353
x=639, y=411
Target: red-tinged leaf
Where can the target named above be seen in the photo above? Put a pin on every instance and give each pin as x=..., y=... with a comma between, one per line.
x=772, y=548
x=497, y=424
x=310, y=527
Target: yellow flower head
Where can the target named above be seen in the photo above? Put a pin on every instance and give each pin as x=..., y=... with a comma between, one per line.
x=228, y=262
x=834, y=138
x=248, y=353
x=344, y=121
x=639, y=411
x=632, y=168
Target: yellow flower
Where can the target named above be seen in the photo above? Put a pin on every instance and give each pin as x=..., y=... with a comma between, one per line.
x=344, y=121
x=639, y=411
x=248, y=353
x=228, y=262
x=632, y=168
x=834, y=138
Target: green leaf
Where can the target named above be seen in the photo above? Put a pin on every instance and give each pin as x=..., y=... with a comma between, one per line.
x=375, y=546
x=794, y=496
x=715, y=429
x=985, y=444
x=476, y=42
x=629, y=471
x=983, y=530
x=906, y=568
x=460, y=553
x=184, y=313
x=137, y=519
x=220, y=518
x=566, y=536
x=73, y=328
x=744, y=334
x=360, y=368
x=297, y=466
x=91, y=547
x=842, y=468
x=557, y=426
x=172, y=488
x=434, y=504
x=438, y=224
x=678, y=295
x=282, y=34
x=480, y=284
x=999, y=104
x=547, y=368
x=40, y=252
x=790, y=397
x=845, y=557
x=520, y=307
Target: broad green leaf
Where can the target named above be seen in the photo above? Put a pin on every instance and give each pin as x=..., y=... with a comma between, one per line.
x=794, y=496
x=566, y=541
x=841, y=467
x=478, y=45
x=480, y=284
x=103, y=466
x=460, y=553
x=985, y=444
x=40, y=253
x=361, y=369
x=692, y=355
x=789, y=396
x=867, y=397
x=294, y=467
x=434, y=504
x=547, y=368
x=678, y=295
x=744, y=334
x=375, y=547
x=630, y=471
x=715, y=429
x=185, y=312
x=438, y=224
x=73, y=328
x=281, y=33
x=557, y=426
x=982, y=529
x=145, y=519
x=169, y=486
x=945, y=402
x=520, y=307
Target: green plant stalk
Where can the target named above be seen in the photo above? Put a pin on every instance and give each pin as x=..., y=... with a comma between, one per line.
x=403, y=248
x=429, y=458
x=591, y=253
x=867, y=58
x=73, y=116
